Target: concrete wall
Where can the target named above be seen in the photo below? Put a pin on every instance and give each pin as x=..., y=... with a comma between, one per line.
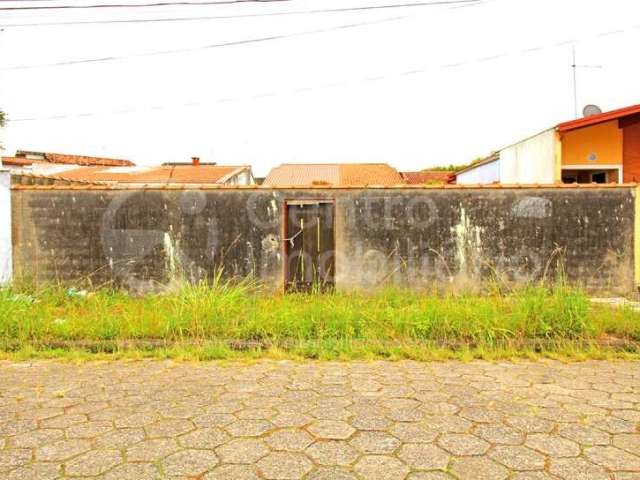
x=5, y=227
x=487, y=173
x=423, y=238
x=532, y=161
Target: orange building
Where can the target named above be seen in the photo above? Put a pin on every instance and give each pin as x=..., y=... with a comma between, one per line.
x=601, y=148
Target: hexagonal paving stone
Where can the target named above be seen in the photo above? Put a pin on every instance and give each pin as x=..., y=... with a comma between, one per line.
x=39, y=471
x=93, y=463
x=628, y=441
x=576, y=469
x=134, y=471
x=532, y=476
x=613, y=458
x=381, y=467
x=463, y=444
x=423, y=456
x=232, y=472
x=552, y=445
x=205, y=438
x=242, y=450
x=585, y=435
x=249, y=428
x=481, y=415
x=172, y=427
x=213, y=420
x=152, y=450
x=517, y=457
x=332, y=453
x=15, y=427
x=89, y=429
x=478, y=468
x=191, y=463
x=370, y=422
x=499, y=434
x=429, y=476
x=62, y=450
x=36, y=438
x=528, y=424
x=331, y=429
x=380, y=443
x=327, y=473
x=141, y=419
x=448, y=424
x=284, y=466
x=289, y=440
x=414, y=432
x=63, y=421
x=291, y=419
x=121, y=438
x=12, y=458
x=615, y=425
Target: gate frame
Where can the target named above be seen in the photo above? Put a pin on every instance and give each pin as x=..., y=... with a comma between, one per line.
x=285, y=233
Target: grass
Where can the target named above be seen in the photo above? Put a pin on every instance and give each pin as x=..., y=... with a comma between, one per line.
x=238, y=320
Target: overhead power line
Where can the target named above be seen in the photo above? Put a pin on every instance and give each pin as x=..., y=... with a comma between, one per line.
x=406, y=73
x=136, y=5
x=246, y=15
x=202, y=47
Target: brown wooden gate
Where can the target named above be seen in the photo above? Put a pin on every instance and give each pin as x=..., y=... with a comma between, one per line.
x=309, y=245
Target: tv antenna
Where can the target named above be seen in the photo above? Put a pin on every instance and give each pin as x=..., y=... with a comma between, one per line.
x=575, y=68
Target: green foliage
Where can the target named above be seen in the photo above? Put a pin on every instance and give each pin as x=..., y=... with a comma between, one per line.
x=207, y=318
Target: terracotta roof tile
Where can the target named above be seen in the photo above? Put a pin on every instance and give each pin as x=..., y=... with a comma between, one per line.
x=17, y=161
x=427, y=176
x=333, y=174
x=183, y=174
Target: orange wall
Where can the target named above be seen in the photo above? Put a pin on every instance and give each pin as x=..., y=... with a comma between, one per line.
x=603, y=140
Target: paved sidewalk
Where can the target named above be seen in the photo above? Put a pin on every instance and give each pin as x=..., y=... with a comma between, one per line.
x=287, y=420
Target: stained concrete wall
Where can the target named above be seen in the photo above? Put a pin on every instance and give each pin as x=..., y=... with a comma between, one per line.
x=5, y=227
x=142, y=239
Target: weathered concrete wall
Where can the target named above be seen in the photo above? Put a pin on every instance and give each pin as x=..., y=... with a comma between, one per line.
x=414, y=237
x=5, y=227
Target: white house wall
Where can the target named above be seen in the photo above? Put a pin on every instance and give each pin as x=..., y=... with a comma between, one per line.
x=530, y=161
x=5, y=226
x=487, y=173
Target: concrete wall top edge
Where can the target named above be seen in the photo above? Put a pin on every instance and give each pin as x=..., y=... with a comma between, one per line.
x=325, y=188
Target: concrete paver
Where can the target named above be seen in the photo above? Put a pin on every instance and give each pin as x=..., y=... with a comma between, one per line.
x=313, y=420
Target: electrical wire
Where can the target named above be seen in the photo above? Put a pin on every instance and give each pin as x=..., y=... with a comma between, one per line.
x=136, y=5
x=247, y=15
x=484, y=59
x=203, y=47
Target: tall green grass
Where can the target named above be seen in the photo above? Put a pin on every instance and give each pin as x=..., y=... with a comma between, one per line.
x=320, y=326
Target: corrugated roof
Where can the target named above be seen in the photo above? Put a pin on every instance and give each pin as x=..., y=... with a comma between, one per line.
x=184, y=174
x=17, y=161
x=333, y=174
x=427, y=176
x=600, y=118
x=76, y=159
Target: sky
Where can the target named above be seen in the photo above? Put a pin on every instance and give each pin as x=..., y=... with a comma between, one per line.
x=275, y=82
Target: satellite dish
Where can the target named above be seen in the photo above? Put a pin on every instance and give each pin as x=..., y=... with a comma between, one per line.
x=591, y=110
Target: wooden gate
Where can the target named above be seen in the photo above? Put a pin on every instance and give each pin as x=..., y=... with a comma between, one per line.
x=309, y=245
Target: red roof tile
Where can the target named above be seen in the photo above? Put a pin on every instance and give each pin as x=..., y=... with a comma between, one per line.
x=333, y=174
x=17, y=161
x=600, y=118
x=427, y=176
x=183, y=174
